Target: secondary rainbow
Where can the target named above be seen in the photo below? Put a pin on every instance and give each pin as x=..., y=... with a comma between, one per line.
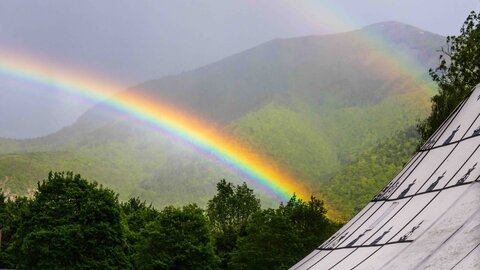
x=328, y=16
x=261, y=171
x=257, y=170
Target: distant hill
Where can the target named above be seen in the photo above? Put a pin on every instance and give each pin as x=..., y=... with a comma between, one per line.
x=314, y=104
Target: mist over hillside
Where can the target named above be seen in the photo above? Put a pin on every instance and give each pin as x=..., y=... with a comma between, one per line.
x=339, y=69
x=313, y=104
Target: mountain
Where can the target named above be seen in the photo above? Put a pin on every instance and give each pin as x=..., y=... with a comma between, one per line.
x=314, y=104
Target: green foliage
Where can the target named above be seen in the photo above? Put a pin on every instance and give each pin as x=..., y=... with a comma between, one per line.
x=269, y=243
x=310, y=142
x=232, y=206
x=355, y=184
x=71, y=223
x=229, y=211
x=177, y=239
x=456, y=75
x=313, y=106
x=143, y=165
x=136, y=216
x=310, y=104
x=291, y=136
x=315, y=143
x=11, y=217
x=278, y=238
x=309, y=221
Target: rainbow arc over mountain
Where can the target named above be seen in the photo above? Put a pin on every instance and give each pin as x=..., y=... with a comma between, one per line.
x=205, y=137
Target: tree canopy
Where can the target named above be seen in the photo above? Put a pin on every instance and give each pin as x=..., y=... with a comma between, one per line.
x=229, y=211
x=278, y=238
x=177, y=239
x=76, y=224
x=232, y=206
x=458, y=72
x=71, y=223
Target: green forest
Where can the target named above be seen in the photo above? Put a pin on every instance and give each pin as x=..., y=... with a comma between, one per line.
x=71, y=223
x=358, y=182
x=311, y=105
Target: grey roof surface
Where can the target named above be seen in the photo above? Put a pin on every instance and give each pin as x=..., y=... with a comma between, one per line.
x=427, y=217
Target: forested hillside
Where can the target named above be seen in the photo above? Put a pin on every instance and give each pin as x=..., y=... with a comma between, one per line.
x=356, y=183
x=312, y=104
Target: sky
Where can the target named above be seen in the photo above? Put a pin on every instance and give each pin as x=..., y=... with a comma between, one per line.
x=133, y=41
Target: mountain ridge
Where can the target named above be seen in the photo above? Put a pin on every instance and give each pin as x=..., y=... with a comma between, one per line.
x=312, y=104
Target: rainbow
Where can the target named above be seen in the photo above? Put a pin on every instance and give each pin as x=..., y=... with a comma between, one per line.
x=327, y=16
x=204, y=136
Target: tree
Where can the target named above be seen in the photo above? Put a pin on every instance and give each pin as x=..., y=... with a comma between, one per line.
x=278, y=238
x=71, y=223
x=456, y=75
x=309, y=220
x=232, y=206
x=229, y=212
x=11, y=219
x=3, y=218
x=268, y=244
x=136, y=216
x=177, y=239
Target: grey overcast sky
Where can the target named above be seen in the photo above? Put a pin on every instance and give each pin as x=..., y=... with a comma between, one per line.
x=133, y=41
